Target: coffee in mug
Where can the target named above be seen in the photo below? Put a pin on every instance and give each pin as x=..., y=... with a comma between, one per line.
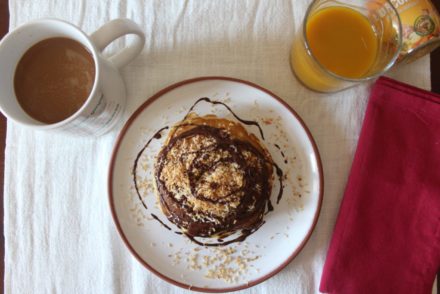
x=54, y=78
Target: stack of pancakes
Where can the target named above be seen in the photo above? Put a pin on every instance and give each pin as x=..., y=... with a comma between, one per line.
x=213, y=178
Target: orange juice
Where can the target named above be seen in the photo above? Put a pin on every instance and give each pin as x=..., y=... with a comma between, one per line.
x=341, y=44
x=342, y=40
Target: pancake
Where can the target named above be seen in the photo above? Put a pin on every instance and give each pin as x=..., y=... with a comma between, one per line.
x=213, y=178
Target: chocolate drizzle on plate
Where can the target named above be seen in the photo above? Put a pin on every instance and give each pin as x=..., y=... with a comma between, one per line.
x=213, y=102
x=213, y=185
x=156, y=136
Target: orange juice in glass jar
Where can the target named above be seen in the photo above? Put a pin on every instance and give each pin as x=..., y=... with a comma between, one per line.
x=343, y=43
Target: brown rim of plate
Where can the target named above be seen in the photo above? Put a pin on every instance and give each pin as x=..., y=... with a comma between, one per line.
x=118, y=225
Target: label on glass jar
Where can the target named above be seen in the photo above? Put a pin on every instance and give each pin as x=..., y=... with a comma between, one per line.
x=420, y=28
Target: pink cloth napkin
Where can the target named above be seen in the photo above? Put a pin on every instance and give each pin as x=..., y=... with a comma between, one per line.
x=387, y=235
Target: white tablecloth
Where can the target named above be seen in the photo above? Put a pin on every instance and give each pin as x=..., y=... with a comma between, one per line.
x=60, y=237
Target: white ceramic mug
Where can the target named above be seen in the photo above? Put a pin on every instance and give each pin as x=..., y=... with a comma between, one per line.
x=105, y=104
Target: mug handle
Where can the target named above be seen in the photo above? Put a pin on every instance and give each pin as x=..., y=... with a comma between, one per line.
x=112, y=31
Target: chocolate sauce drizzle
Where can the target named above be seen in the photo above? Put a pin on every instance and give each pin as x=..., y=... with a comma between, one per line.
x=162, y=223
x=156, y=136
x=213, y=102
x=248, y=190
x=282, y=153
x=220, y=242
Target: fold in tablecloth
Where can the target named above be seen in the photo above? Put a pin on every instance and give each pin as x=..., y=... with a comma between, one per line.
x=60, y=237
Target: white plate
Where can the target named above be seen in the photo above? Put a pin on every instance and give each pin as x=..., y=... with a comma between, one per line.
x=239, y=265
